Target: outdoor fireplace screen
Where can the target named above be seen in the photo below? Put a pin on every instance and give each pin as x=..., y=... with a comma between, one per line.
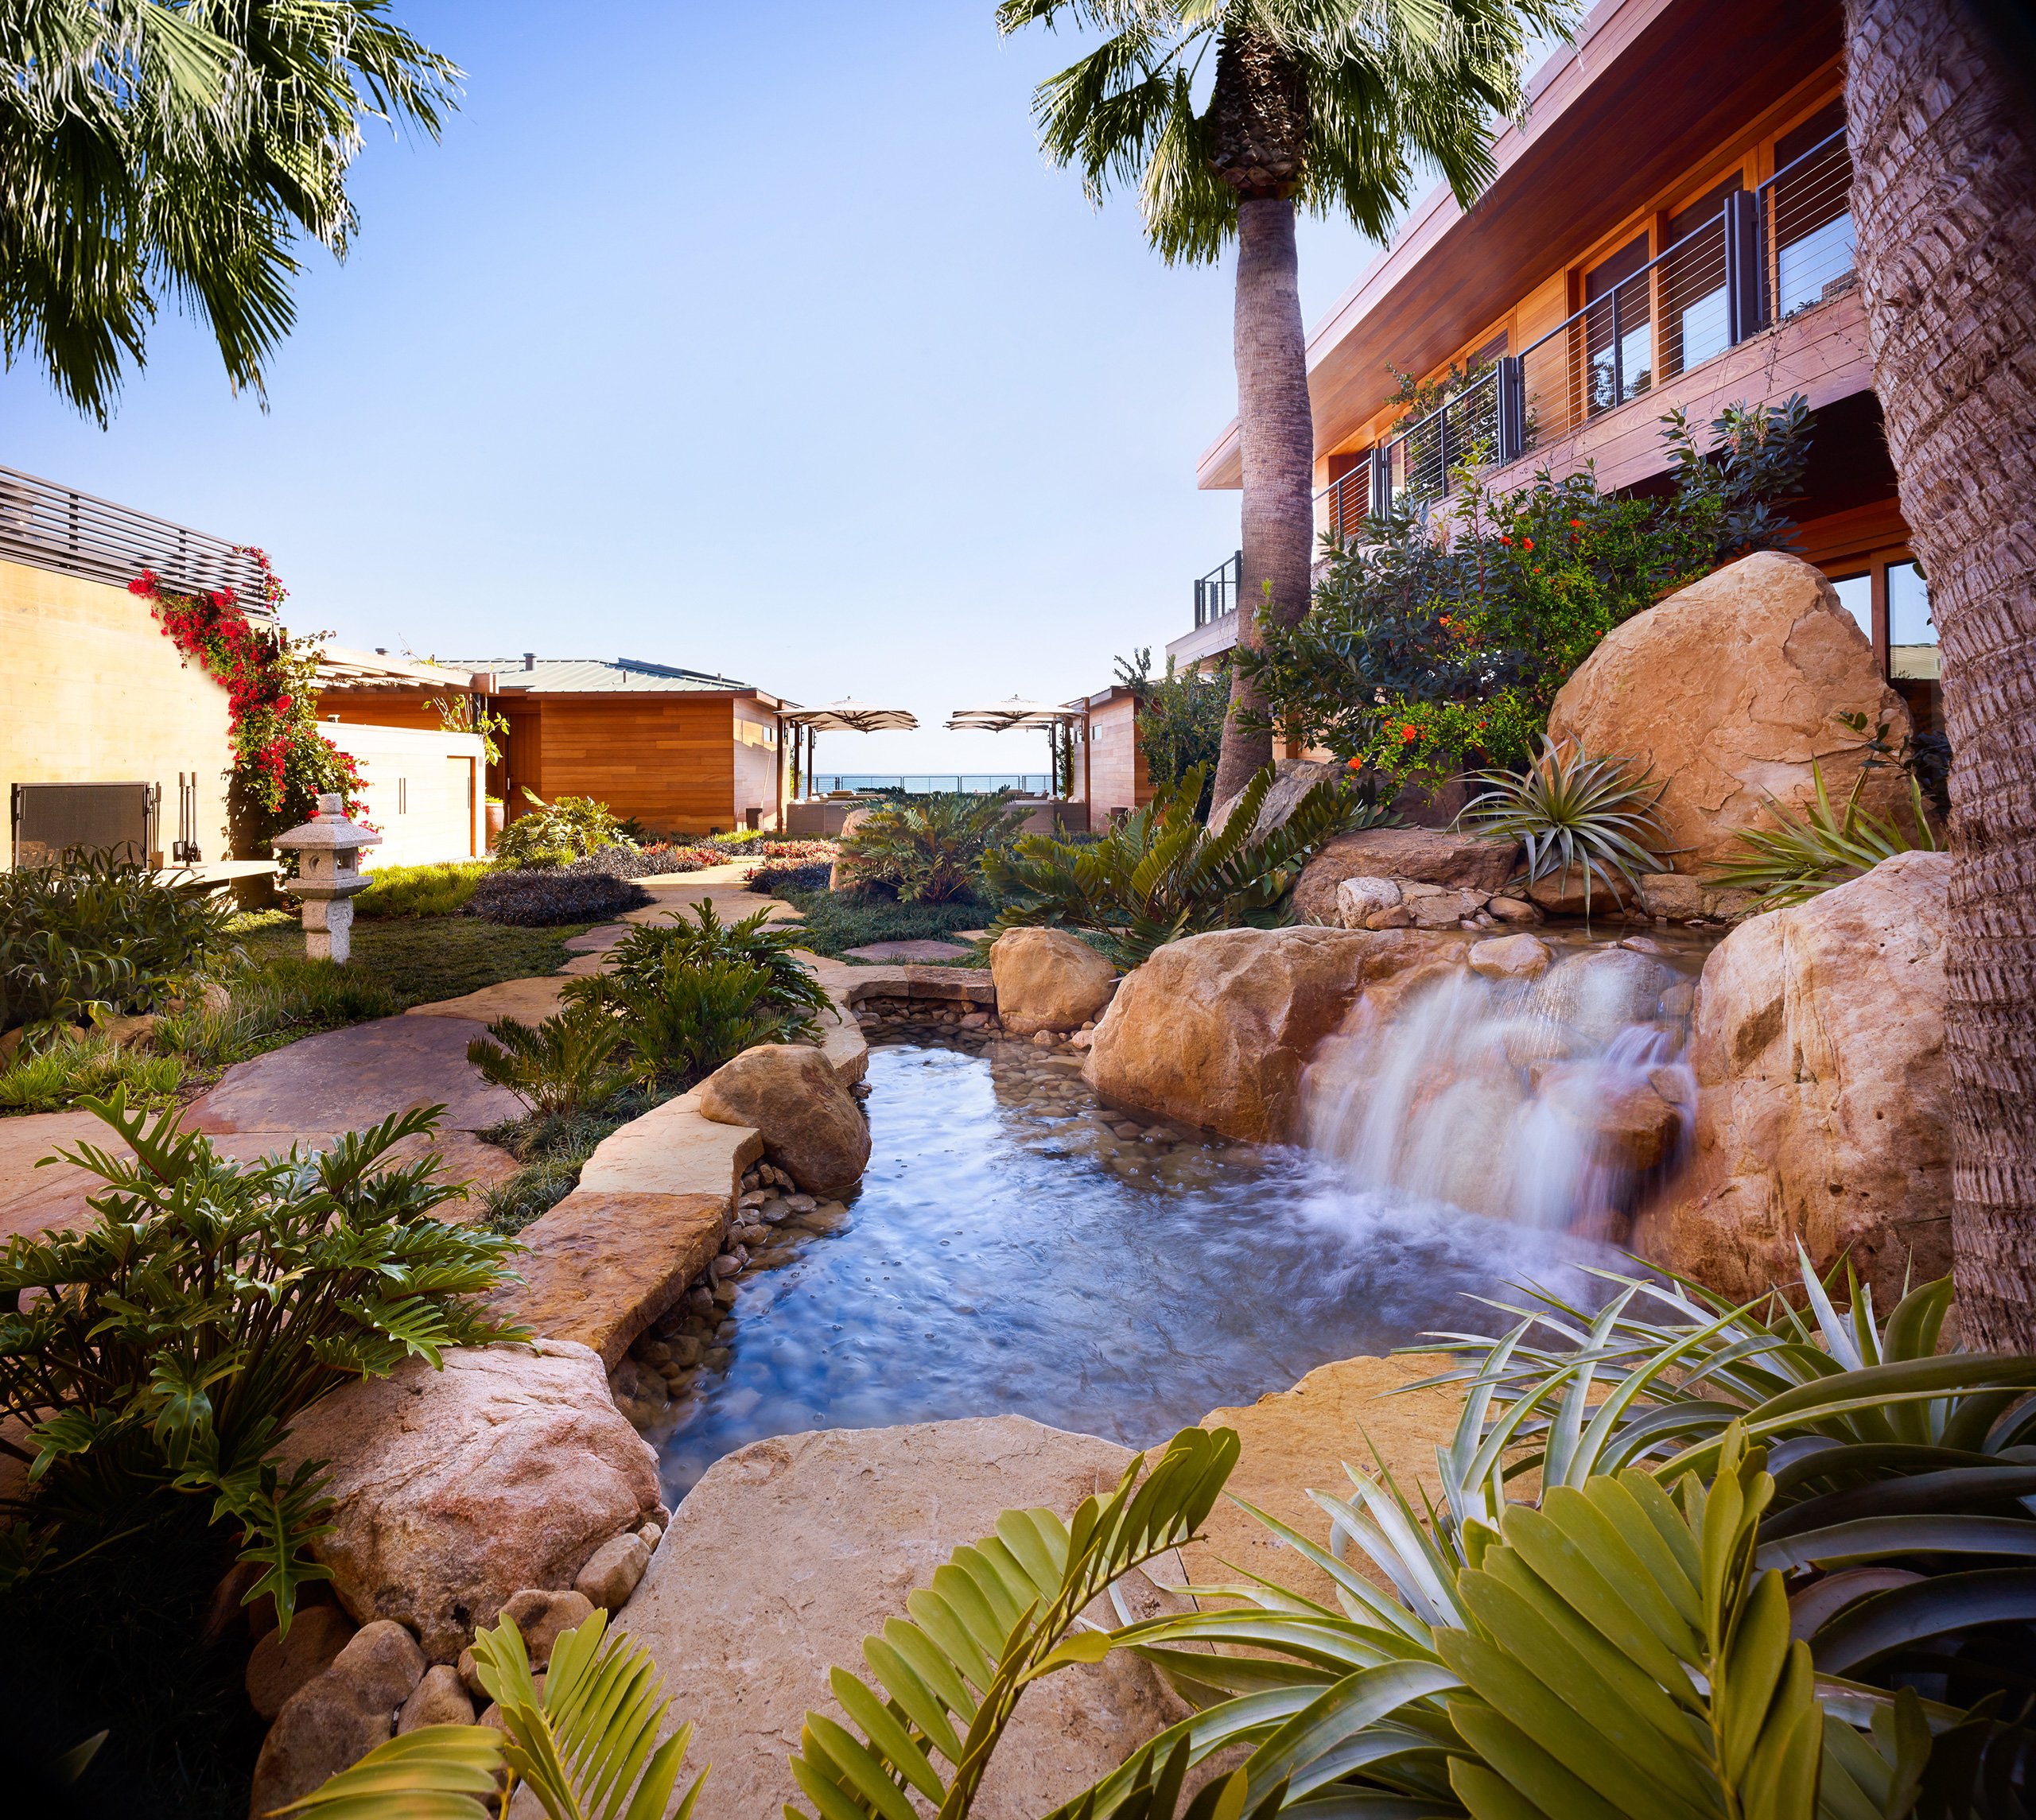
x=48, y=818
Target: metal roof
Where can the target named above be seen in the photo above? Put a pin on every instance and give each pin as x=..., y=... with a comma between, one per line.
x=591, y=676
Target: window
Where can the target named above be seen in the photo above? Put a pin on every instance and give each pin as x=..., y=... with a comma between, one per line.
x=1693, y=282
x=1812, y=224
x=1855, y=595
x=1618, y=327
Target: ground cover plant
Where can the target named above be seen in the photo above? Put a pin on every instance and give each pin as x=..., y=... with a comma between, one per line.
x=833, y=922
x=1159, y=875
x=542, y=897
x=927, y=849
x=439, y=890
x=1436, y=641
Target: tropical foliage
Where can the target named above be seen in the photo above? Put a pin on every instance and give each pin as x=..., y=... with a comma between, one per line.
x=586, y=1745
x=1161, y=874
x=156, y=149
x=641, y=961
x=1436, y=640
x=167, y=1347
x=1575, y=816
x=1803, y=855
x=1180, y=717
x=93, y=936
x=564, y=1065
x=558, y=832
x=927, y=849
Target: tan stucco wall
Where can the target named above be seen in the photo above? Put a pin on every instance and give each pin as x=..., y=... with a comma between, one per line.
x=91, y=692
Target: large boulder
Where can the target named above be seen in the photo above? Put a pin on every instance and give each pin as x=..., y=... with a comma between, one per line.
x=1428, y=856
x=1730, y=690
x=791, y=1550
x=1293, y=778
x=454, y=1488
x=1823, y=1093
x=1047, y=979
x=1215, y=1031
x=810, y=1125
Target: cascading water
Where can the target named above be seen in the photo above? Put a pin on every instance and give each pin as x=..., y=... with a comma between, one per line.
x=1555, y=1101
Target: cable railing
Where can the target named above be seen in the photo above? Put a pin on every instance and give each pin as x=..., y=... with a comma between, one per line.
x=1216, y=593
x=1423, y=460
x=59, y=528
x=1806, y=221
x=1342, y=507
x=1026, y=783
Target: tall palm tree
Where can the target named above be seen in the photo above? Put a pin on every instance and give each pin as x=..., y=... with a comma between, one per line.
x=182, y=148
x=1328, y=104
x=1943, y=137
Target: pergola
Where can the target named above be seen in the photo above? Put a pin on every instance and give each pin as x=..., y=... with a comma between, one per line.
x=847, y=715
x=1015, y=713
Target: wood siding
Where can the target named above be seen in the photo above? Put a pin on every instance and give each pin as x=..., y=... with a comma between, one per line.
x=1117, y=777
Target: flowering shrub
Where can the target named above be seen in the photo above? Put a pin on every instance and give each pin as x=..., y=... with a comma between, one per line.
x=796, y=852
x=281, y=762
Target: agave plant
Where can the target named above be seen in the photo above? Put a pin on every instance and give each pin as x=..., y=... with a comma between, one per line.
x=1159, y=875
x=586, y=1747
x=1574, y=813
x=1802, y=856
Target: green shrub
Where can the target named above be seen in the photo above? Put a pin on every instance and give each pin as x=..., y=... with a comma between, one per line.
x=78, y=1068
x=1180, y=717
x=638, y=962
x=92, y=936
x=168, y=1346
x=928, y=849
x=835, y=921
x=441, y=889
x=683, y=1021
x=551, y=1147
x=566, y=1065
x=556, y=833
x=1159, y=875
x=1574, y=814
x=1804, y=855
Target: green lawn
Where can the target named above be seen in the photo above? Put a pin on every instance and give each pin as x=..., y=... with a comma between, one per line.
x=833, y=922
x=422, y=958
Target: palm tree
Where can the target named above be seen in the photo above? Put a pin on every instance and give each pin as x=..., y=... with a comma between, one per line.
x=1943, y=137
x=181, y=147
x=1330, y=104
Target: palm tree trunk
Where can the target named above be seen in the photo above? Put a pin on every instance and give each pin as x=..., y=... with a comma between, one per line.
x=1944, y=199
x=1276, y=430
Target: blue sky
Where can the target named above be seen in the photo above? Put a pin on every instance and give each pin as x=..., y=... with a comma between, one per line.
x=756, y=339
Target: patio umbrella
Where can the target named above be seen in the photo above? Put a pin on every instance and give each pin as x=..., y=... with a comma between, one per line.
x=847, y=715
x=1016, y=712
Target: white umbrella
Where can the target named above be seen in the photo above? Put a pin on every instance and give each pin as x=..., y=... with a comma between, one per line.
x=1016, y=713
x=847, y=715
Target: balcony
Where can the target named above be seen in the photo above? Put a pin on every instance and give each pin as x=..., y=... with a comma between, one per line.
x=1723, y=313
x=49, y=526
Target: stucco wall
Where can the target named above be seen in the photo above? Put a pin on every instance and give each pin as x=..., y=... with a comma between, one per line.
x=91, y=692
x=423, y=792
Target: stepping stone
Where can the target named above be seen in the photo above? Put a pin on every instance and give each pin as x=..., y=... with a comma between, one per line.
x=598, y=940
x=341, y=1080
x=929, y=950
x=528, y=1001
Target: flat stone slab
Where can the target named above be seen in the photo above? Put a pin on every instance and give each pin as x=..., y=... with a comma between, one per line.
x=582, y=964
x=597, y=941
x=528, y=1001
x=602, y=1267
x=342, y=1080
x=672, y=1150
x=915, y=950
x=792, y=1550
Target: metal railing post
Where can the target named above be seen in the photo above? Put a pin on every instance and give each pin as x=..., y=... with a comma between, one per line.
x=1512, y=409
x=1742, y=266
x=1618, y=354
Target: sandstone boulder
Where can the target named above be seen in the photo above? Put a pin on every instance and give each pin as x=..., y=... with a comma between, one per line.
x=1215, y=1030
x=440, y=1699
x=1047, y=979
x=453, y=1489
x=811, y=1127
x=1729, y=689
x=1510, y=957
x=612, y=1575
x=1599, y=992
x=1823, y=1093
x=281, y=1665
x=830, y=1533
x=1293, y=778
x=1428, y=856
x=332, y=1723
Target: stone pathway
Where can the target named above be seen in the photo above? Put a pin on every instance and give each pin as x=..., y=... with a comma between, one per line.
x=927, y=950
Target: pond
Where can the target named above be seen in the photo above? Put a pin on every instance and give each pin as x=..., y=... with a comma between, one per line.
x=1018, y=1247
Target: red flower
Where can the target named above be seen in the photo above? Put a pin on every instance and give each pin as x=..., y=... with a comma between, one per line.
x=1507, y=541
x=1576, y=524
x=1408, y=735
x=1526, y=543
x=1355, y=764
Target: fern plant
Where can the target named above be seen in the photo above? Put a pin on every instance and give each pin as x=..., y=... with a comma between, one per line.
x=587, y=1746
x=1574, y=813
x=1802, y=856
x=167, y=1346
x=929, y=850
x=1159, y=875
x=563, y=1066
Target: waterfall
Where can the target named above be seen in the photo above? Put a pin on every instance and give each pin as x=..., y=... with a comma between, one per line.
x=1554, y=1101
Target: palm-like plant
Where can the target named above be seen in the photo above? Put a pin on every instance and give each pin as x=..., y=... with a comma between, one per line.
x=1333, y=104
x=1159, y=875
x=1802, y=856
x=931, y=849
x=1573, y=812
x=148, y=147
x=564, y=1065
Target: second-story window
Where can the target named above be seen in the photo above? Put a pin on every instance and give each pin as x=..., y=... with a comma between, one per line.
x=1618, y=327
x=1812, y=219
x=1695, y=323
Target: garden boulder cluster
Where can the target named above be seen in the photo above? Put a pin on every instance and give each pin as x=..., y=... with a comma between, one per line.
x=1410, y=878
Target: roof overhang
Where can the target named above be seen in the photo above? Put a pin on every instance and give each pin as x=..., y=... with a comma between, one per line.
x=339, y=666
x=1649, y=88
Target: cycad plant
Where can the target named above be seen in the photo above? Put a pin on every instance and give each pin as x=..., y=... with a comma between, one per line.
x=1573, y=813
x=929, y=850
x=1159, y=875
x=637, y=963
x=564, y=1065
x=1802, y=856
x=558, y=832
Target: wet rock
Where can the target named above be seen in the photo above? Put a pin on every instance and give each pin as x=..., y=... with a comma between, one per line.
x=278, y=1667
x=811, y=1127
x=441, y=1698
x=1629, y=1125
x=1428, y=856
x=611, y=1576
x=1823, y=1093
x=1358, y=899
x=1601, y=991
x=1047, y=979
x=1513, y=909
x=1510, y=957
x=1673, y=897
x=1729, y=689
x=453, y=1489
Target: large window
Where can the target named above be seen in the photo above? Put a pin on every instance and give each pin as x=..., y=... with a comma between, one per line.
x=1693, y=282
x=1618, y=327
x=1886, y=593
x=1812, y=226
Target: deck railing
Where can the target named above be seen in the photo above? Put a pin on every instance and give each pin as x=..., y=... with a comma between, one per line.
x=1766, y=255
x=59, y=527
x=1216, y=593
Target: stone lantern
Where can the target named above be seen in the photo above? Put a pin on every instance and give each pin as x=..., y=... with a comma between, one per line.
x=328, y=848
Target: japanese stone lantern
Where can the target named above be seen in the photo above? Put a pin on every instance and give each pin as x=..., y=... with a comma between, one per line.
x=328, y=848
